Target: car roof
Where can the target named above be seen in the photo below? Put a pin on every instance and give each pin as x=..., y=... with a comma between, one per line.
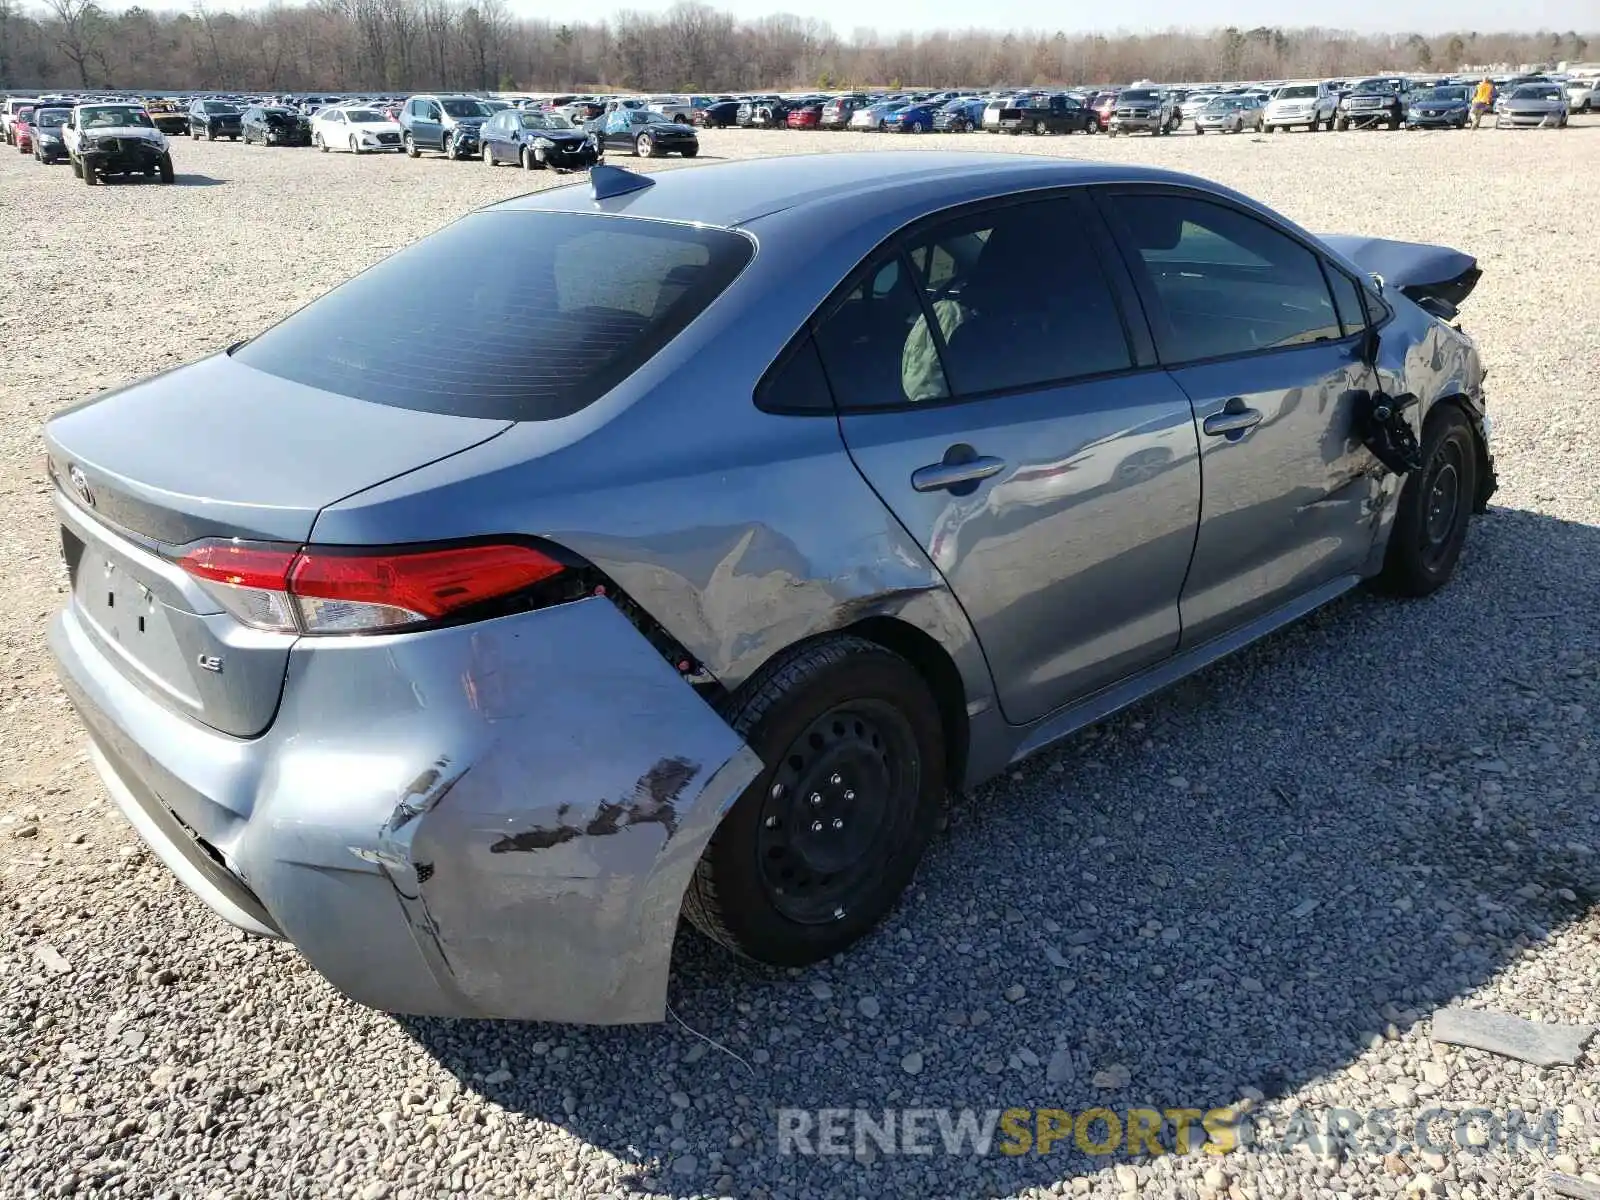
x=734, y=193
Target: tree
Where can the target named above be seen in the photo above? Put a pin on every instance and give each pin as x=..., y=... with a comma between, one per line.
x=77, y=33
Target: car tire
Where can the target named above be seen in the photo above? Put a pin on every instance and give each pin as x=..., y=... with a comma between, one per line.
x=411, y=146
x=800, y=867
x=164, y=167
x=319, y=142
x=488, y=156
x=680, y=119
x=644, y=146
x=76, y=165
x=211, y=134
x=528, y=160
x=88, y=175
x=355, y=144
x=448, y=146
x=1436, y=504
x=1341, y=123
x=690, y=151
x=1040, y=128
x=1198, y=132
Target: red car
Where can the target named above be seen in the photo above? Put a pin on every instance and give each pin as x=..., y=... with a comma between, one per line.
x=1104, y=105
x=22, y=129
x=807, y=116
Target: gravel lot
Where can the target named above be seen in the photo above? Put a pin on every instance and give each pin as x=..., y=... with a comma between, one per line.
x=1255, y=888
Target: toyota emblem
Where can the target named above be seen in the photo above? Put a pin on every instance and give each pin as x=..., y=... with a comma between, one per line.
x=80, y=484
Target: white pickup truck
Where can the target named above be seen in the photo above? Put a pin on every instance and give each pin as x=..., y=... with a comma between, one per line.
x=115, y=139
x=674, y=108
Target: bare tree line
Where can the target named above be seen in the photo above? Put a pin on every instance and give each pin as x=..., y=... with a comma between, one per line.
x=400, y=45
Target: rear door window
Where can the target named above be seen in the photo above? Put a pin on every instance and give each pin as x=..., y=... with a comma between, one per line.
x=511, y=315
x=1019, y=298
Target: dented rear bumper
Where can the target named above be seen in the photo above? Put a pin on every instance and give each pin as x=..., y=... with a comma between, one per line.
x=492, y=820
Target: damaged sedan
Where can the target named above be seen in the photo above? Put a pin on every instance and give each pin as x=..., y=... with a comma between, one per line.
x=752, y=510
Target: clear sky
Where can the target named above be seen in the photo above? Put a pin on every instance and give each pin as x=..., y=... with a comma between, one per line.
x=1363, y=16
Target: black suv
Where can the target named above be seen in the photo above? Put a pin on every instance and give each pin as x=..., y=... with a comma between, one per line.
x=214, y=119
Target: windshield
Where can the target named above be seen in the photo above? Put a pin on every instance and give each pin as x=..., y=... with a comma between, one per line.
x=111, y=117
x=545, y=121
x=219, y=106
x=1541, y=92
x=1225, y=104
x=1373, y=85
x=1140, y=97
x=547, y=311
x=1440, y=94
x=364, y=115
x=1298, y=92
x=51, y=116
x=463, y=108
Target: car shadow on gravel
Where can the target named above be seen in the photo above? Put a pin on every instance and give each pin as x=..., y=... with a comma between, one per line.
x=1237, y=885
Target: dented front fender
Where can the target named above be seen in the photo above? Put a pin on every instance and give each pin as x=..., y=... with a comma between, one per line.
x=498, y=820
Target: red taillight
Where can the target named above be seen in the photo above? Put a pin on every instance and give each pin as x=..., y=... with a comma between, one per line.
x=432, y=583
x=321, y=589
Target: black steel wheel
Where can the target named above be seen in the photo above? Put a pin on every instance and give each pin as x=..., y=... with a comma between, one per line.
x=818, y=848
x=1436, y=505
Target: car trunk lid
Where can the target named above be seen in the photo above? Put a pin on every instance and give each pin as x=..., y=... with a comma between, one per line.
x=220, y=451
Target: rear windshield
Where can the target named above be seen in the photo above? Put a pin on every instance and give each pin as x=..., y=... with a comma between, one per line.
x=521, y=316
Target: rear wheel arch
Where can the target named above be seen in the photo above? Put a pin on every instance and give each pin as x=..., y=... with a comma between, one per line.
x=938, y=671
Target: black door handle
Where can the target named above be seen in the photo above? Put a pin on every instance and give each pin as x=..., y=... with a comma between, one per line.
x=1233, y=421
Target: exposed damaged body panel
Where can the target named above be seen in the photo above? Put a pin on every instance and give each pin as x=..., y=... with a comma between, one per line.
x=1418, y=270
x=509, y=841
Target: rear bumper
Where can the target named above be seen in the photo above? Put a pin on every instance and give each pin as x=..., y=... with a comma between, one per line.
x=494, y=820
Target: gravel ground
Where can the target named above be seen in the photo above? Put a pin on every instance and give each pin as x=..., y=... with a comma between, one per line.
x=1253, y=889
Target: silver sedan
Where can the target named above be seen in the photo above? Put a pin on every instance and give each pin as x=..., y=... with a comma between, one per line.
x=673, y=545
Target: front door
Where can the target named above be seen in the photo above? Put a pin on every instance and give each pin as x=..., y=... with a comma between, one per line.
x=1244, y=316
x=990, y=392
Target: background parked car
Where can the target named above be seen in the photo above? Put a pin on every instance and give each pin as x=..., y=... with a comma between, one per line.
x=960, y=116
x=212, y=119
x=356, y=129
x=1373, y=102
x=22, y=129
x=805, y=116
x=648, y=134
x=1058, y=113
x=274, y=125
x=1147, y=110
x=913, y=118
x=1533, y=104
x=47, y=124
x=169, y=117
x=1229, y=114
x=836, y=111
x=1581, y=94
x=719, y=114
x=447, y=124
x=535, y=140
x=1449, y=106
x=1310, y=104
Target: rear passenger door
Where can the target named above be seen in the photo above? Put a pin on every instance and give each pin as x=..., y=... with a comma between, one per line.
x=1246, y=320
x=991, y=390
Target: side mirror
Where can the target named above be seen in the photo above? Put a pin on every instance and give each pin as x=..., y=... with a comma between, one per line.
x=1439, y=307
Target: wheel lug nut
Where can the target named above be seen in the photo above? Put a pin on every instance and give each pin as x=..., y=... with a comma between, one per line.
x=816, y=827
x=816, y=799
x=834, y=779
x=772, y=822
x=777, y=791
x=838, y=823
x=849, y=795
